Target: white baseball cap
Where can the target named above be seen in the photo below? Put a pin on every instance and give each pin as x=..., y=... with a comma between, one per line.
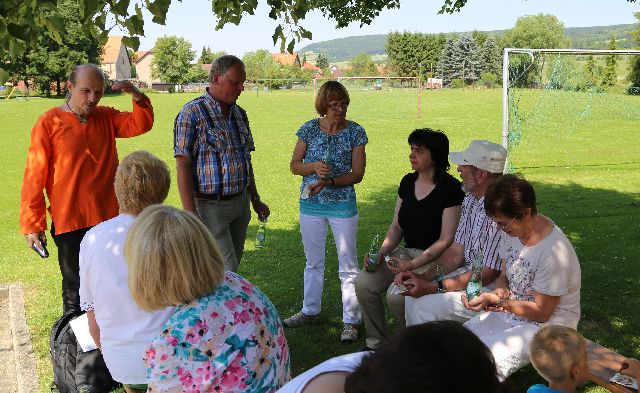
x=482, y=154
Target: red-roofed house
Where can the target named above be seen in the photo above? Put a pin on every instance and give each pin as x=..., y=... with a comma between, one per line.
x=287, y=58
x=115, y=59
x=206, y=68
x=316, y=72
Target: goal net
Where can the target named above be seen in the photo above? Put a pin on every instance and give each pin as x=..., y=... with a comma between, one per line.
x=569, y=108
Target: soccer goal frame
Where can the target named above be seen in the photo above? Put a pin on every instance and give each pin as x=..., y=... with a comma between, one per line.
x=531, y=51
x=387, y=78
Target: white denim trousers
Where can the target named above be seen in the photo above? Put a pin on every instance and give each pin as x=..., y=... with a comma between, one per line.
x=314, y=234
x=507, y=339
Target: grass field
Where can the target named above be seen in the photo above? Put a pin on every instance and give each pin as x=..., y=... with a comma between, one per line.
x=587, y=180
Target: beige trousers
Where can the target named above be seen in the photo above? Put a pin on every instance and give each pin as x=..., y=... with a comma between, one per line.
x=228, y=222
x=369, y=289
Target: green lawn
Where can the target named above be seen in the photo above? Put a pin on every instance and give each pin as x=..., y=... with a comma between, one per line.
x=586, y=173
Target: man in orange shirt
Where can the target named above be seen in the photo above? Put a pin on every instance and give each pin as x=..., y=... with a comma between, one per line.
x=73, y=157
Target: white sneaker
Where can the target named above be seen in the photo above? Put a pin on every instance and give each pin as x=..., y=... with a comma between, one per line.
x=349, y=333
x=299, y=319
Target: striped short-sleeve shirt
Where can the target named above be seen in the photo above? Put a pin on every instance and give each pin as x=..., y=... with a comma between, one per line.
x=220, y=148
x=478, y=233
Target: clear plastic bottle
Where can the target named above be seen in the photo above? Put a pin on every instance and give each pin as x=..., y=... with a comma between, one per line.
x=261, y=234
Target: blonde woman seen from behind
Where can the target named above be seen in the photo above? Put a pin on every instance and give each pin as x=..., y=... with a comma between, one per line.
x=224, y=334
x=118, y=326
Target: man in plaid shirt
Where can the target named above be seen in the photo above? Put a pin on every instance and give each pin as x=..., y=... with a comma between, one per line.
x=212, y=147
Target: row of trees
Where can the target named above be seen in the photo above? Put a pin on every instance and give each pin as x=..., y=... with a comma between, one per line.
x=174, y=57
x=468, y=58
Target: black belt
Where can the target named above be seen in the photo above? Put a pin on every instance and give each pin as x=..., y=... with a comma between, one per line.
x=217, y=197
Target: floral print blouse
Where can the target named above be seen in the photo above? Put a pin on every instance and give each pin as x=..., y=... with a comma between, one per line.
x=336, y=150
x=231, y=340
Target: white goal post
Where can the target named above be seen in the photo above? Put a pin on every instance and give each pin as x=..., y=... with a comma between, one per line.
x=530, y=51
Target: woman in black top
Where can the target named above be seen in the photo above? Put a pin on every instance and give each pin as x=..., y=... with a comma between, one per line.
x=428, y=205
x=426, y=217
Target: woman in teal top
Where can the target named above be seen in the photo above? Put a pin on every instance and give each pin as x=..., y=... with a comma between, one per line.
x=330, y=157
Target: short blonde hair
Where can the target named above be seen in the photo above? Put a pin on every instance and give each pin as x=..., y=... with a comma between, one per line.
x=172, y=258
x=329, y=91
x=142, y=180
x=554, y=350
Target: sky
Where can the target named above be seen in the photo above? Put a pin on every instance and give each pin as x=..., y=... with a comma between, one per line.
x=194, y=21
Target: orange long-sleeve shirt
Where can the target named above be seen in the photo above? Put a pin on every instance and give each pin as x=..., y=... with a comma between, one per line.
x=76, y=164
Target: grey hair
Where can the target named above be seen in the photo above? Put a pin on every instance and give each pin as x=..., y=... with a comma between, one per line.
x=222, y=64
x=73, y=76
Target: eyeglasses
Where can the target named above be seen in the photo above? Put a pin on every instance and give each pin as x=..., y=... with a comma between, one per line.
x=335, y=105
x=503, y=226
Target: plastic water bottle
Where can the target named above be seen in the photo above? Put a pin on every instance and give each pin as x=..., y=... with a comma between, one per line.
x=475, y=280
x=328, y=155
x=261, y=235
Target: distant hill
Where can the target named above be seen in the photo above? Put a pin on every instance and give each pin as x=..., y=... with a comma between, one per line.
x=595, y=37
x=342, y=49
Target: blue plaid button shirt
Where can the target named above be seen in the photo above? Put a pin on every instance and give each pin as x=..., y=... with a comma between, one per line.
x=219, y=148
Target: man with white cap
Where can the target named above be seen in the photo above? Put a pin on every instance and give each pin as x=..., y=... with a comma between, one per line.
x=429, y=299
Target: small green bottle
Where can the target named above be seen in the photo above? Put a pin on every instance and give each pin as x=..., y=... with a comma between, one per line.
x=439, y=272
x=475, y=280
x=261, y=234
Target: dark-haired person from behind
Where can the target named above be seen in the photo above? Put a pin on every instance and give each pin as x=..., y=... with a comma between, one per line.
x=434, y=357
x=426, y=216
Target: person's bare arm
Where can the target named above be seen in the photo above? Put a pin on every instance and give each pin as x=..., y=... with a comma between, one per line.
x=631, y=368
x=301, y=168
x=391, y=239
x=184, y=170
x=358, y=164
x=460, y=282
x=539, y=310
x=450, y=219
x=329, y=382
x=394, y=233
x=94, y=329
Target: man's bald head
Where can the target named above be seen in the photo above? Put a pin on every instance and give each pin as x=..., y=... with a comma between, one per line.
x=87, y=68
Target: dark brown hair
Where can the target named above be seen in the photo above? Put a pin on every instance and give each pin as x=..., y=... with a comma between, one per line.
x=434, y=357
x=510, y=196
x=438, y=145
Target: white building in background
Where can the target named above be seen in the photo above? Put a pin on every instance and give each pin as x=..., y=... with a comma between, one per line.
x=143, y=67
x=115, y=59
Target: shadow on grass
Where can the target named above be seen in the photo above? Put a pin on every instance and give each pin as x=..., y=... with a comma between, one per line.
x=602, y=224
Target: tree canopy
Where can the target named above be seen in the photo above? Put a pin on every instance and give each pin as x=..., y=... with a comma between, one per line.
x=634, y=72
x=537, y=31
x=51, y=61
x=362, y=65
x=23, y=21
x=172, y=60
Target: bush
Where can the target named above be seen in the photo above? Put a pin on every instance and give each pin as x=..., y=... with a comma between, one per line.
x=488, y=79
x=633, y=90
x=457, y=84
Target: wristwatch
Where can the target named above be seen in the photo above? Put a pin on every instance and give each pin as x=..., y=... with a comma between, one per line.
x=441, y=287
